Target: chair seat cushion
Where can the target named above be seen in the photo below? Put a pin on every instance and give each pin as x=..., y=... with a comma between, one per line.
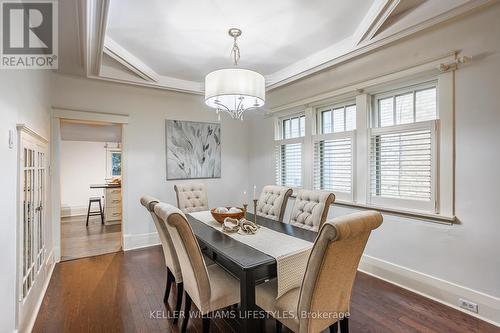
x=284, y=307
x=225, y=289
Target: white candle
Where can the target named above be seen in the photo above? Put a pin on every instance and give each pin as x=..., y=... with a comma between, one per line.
x=245, y=197
x=254, y=192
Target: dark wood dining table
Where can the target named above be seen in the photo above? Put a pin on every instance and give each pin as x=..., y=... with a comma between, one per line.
x=246, y=263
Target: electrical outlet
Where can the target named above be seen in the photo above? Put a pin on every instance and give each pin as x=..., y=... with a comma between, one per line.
x=468, y=305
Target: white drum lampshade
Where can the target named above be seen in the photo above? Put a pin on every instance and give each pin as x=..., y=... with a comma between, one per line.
x=235, y=90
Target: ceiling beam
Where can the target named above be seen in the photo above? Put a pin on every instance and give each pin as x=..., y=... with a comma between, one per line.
x=374, y=18
x=131, y=62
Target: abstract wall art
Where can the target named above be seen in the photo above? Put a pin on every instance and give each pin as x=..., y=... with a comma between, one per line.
x=193, y=149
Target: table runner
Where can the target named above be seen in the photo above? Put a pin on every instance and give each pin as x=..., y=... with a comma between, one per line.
x=291, y=253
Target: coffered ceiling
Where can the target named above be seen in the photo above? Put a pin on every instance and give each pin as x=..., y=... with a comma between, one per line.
x=173, y=44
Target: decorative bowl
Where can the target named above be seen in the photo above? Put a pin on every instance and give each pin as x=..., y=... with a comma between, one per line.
x=219, y=217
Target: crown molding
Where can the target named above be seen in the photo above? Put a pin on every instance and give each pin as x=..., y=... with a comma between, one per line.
x=127, y=59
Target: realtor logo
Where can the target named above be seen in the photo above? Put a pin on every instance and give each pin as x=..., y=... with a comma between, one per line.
x=29, y=34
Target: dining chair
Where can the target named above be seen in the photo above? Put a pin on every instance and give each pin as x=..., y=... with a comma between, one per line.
x=311, y=209
x=174, y=273
x=325, y=293
x=272, y=201
x=191, y=197
x=209, y=287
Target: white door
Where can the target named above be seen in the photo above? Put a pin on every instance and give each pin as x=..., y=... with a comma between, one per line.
x=32, y=194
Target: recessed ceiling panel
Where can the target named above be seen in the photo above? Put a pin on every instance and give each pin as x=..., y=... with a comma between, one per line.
x=186, y=39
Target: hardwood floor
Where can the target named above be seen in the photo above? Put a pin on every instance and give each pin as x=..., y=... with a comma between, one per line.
x=123, y=292
x=79, y=241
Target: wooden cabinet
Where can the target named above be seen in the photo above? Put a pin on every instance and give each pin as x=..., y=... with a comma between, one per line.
x=113, y=205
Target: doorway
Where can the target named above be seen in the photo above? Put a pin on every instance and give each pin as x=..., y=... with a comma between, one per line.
x=90, y=184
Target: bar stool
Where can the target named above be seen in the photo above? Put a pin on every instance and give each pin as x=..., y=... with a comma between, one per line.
x=90, y=213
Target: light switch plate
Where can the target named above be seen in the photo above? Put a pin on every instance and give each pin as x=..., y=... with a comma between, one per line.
x=12, y=136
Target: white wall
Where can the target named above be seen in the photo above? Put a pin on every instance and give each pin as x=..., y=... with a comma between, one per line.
x=24, y=98
x=82, y=163
x=144, y=145
x=465, y=255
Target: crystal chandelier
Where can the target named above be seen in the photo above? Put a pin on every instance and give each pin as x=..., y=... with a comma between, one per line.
x=234, y=90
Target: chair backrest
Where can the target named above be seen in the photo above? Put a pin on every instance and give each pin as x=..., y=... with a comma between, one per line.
x=311, y=209
x=194, y=271
x=331, y=269
x=191, y=197
x=272, y=201
x=169, y=253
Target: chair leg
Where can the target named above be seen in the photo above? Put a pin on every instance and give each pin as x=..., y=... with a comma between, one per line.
x=334, y=328
x=279, y=326
x=344, y=325
x=206, y=324
x=170, y=278
x=187, y=307
x=102, y=213
x=178, y=302
x=88, y=214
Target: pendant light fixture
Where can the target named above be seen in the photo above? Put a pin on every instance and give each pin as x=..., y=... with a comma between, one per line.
x=235, y=90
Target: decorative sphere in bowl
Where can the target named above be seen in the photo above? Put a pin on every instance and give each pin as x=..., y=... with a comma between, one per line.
x=219, y=217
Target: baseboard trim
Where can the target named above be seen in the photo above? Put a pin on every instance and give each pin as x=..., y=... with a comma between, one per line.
x=51, y=265
x=434, y=288
x=74, y=211
x=138, y=241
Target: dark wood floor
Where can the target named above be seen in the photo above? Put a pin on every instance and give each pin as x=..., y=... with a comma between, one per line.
x=118, y=292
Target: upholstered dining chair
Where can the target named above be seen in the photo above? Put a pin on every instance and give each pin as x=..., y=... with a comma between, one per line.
x=209, y=287
x=174, y=273
x=325, y=293
x=272, y=201
x=191, y=197
x=311, y=209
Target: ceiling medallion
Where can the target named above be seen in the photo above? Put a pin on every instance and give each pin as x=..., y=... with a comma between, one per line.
x=235, y=90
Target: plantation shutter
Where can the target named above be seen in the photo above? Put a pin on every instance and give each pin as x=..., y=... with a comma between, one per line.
x=402, y=163
x=289, y=164
x=333, y=164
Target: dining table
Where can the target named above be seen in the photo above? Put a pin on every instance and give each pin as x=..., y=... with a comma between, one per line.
x=244, y=262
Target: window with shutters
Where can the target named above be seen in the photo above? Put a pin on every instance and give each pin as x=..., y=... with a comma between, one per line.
x=403, y=149
x=289, y=151
x=333, y=150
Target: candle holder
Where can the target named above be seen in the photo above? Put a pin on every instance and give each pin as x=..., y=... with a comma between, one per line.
x=255, y=211
x=245, y=209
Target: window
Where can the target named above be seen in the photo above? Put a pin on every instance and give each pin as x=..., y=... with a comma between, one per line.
x=406, y=108
x=403, y=154
x=294, y=127
x=338, y=119
x=385, y=145
x=333, y=150
x=113, y=162
x=289, y=151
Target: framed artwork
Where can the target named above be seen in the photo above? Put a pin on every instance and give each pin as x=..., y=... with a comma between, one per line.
x=193, y=149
